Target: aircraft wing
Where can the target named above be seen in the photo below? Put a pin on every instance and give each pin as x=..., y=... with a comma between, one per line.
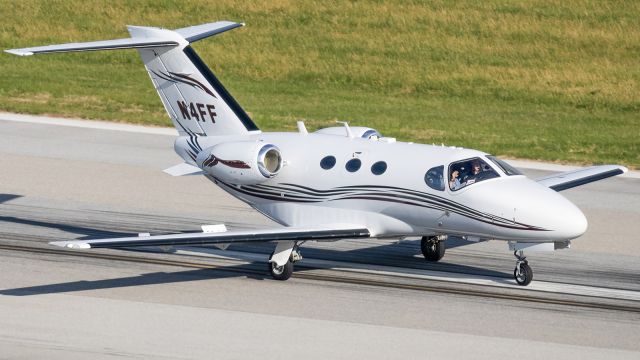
x=331, y=232
x=569, y=179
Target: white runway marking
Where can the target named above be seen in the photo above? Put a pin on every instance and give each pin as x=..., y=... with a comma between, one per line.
x=89, y=124
x=105, y=125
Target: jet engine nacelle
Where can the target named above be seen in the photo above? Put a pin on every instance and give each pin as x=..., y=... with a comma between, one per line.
x=242, y=162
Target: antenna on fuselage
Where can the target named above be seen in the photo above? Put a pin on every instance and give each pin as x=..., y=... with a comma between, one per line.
x=347, y=128
x=301, y=128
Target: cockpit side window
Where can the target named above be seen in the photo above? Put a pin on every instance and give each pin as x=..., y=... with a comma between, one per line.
x=470, y=171
x=435, y=178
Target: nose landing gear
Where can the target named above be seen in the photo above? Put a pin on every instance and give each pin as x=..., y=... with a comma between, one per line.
x=523, y=272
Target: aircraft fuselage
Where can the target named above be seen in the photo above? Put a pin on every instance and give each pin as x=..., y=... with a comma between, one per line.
x=397, y=201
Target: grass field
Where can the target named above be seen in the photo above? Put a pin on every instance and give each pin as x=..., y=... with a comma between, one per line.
x=550, y=80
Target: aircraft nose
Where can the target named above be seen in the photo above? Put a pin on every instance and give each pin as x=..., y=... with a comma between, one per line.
x=557, y=217
x=573, y=223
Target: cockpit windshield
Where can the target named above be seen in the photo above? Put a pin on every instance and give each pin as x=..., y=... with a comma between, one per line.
x=508, y=169
x=470, y=171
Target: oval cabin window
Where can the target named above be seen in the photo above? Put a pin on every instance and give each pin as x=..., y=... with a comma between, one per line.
x=328, y=162
x=379, y=168
x=353, y=165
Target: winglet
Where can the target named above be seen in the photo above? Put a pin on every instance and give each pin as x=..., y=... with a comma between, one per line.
x=75, y=244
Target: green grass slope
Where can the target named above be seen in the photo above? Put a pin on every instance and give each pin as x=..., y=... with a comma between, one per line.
x=544, y=80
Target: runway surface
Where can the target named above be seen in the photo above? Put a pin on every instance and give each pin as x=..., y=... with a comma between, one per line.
x=351, y=298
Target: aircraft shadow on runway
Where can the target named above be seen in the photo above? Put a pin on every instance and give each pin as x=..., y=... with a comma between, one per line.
x=400, y=255
x=155, y=278
x=8, y=197
x=254, y=270
x=89, y=233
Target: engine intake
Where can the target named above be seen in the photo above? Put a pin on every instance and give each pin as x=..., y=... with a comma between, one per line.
x=269, y=160
x=242, y=162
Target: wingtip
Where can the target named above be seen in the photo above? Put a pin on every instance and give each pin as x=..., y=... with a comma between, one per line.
x=18, y=52
x=71, y=244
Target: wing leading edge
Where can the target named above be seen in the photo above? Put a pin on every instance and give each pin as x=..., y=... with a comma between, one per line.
x=206, y=238
x=570, y=179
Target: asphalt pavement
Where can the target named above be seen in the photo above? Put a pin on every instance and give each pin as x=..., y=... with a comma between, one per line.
x=64, y=179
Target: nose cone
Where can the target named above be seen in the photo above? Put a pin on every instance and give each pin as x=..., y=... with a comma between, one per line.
x=573, y=223
x=538, y=212
x=542, y=207
x=547, y=209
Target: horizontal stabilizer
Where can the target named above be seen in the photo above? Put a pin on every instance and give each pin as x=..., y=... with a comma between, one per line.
x=183, y=169
x=194, y=99
x=127, y=43
x=141, y=40
x=570, y=179
x=335, y=232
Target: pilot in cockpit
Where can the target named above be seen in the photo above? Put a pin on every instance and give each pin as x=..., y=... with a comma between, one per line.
x=467, y=179
x=476, y=169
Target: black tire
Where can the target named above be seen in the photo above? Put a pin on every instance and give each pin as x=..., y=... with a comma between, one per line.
x=526, y=275
x=432, y=249
x=281, y=272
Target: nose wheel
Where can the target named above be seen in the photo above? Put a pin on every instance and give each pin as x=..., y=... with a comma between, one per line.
x=523, y=272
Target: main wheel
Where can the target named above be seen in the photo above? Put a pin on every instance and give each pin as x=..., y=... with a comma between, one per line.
x=281, y=272
x=525, y=275
x=432, y=249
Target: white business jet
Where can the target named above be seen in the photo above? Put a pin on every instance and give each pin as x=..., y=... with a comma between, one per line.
x=339, y=182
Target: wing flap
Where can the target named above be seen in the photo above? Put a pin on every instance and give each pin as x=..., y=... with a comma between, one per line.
x=207, y=238
x=570, y=179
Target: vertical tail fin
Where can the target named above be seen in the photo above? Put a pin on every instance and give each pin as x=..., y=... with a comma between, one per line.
x=194, y=98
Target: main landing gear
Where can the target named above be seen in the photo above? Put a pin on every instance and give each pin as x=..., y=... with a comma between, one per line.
x=281, y=272
x=523, y=272
x=282, y=260
x=433, y=247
